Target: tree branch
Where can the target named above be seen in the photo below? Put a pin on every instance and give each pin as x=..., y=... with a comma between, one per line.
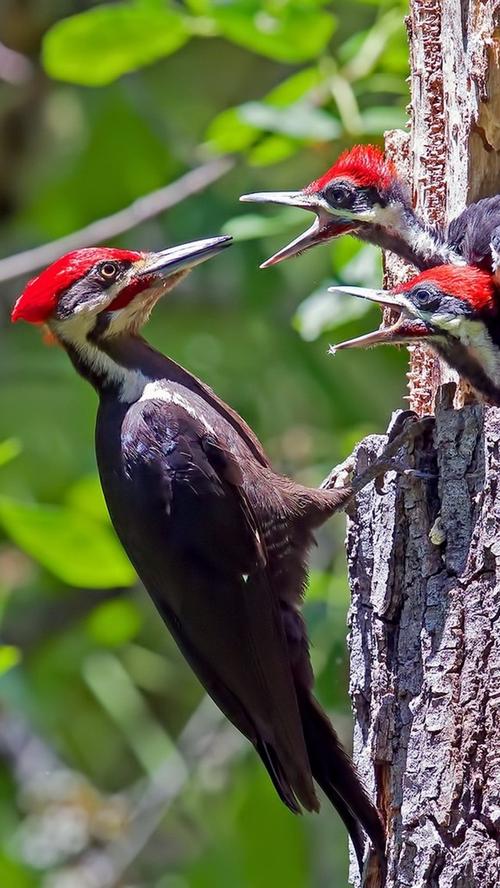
x=109, y=227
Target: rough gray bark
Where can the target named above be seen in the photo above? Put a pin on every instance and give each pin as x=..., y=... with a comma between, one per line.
x=424, y=555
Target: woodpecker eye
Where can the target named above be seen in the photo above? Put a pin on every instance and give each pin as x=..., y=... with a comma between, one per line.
x=108, y=271
x=340, y=196
x=426, y=298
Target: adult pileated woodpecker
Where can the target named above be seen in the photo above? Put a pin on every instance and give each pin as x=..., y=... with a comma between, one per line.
x=362, y=195
x=456, y=310
x=218, y=538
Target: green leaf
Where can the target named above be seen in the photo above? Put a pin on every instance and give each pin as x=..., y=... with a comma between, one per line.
x=10, y=656
x=323, y=311
x=114, y=622
x=376, y=120
x=236, y=129
x=252, y=225
x=293, y=32
x=96, y=47
x=86, y=496
x=73, y=546
x=272, y=149
x=301, y=121
x=16, y=874
x=9, y=449
x=229, y=132
x=294, y=88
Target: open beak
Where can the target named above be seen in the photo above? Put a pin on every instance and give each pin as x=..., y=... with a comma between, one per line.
x=327, y=225
x=406, y=329
x=182, y=257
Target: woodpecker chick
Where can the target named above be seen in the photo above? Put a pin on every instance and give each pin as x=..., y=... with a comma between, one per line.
x=455, y=310
x=219, y=539
x=362, y=195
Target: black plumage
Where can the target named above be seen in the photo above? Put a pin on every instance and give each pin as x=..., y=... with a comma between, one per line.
x=472, y=233
x=220, y=541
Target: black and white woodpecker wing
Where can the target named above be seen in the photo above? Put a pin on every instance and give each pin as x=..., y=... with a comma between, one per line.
x=219, y=539
x=472, y=232
x=188, y=502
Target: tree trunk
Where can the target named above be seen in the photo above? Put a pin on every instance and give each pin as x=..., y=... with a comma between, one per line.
x=424, y=554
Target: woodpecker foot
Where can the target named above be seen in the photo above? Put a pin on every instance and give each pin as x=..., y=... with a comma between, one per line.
x=404, y=428
x=341, y=475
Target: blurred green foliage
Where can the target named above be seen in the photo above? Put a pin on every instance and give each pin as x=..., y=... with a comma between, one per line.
x=116, y=770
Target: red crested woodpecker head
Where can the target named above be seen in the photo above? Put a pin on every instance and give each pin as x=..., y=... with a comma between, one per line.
x=108, y=288
x=456, y=309
x=363, y=166
x=361, y=189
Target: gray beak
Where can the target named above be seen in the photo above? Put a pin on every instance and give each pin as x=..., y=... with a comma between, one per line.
x=329, y=223
x=184, y=256
x=289, y=198
x=381, y=297
x=404, y=331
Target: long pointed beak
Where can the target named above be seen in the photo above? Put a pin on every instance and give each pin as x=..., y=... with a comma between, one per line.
x=184, y=256
x=327, y=225
x=381, y=297
x=289, y=198
x=403, y=332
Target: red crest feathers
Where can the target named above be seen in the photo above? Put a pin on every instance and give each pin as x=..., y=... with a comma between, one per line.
x=471, y=284
x=363, y=165
x=40, y=296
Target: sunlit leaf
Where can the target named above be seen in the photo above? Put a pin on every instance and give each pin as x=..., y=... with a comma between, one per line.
x=74, y=547
x=301, y=121
x=290, y=32
x=323, y=311
x=365, y=264
x=229, y=132
x=114, y=622
x=377, y=120
x=97, y=46
x=253, y=225
x=15, y=874
x=10, y=656
x=86, y=495
x=272, y=149
x=236, y=129
x=381, y=83
x=294, y=88
x=9, y=449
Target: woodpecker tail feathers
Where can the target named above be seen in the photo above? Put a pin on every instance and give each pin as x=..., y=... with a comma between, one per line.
x=334, y=771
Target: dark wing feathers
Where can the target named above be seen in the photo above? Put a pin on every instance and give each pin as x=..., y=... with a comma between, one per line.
x=471, y=232
x=222, y=611
x=226, y=576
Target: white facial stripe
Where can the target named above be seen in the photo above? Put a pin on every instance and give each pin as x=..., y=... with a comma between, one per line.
x=75, y=331
x=388, y=216
x=423, y=243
